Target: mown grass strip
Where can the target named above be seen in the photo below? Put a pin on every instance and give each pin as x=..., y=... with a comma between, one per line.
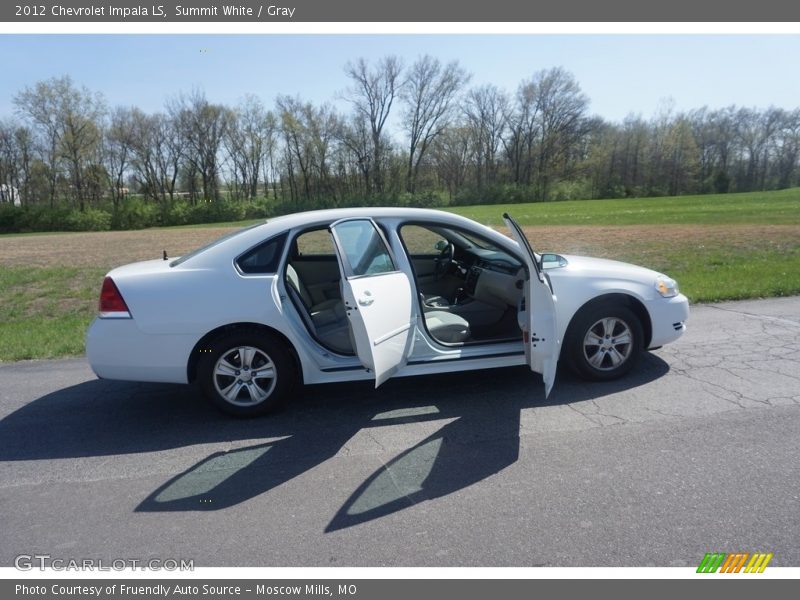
x=768, y=208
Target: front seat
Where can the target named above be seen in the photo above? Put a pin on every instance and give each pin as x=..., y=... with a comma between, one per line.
x=446, y=326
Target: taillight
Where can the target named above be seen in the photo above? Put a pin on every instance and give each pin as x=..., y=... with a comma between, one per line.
x=111, y=302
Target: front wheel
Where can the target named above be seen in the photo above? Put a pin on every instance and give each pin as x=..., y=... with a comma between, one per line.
x=604, y=342
x=246, y=374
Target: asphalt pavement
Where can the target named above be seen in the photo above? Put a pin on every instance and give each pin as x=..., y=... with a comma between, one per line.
x=697, y=451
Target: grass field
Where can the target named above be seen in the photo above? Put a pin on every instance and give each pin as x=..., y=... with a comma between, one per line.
x=781, y=207
x=718, y=248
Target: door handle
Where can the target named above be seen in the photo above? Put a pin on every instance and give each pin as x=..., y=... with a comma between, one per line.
x=366, y=299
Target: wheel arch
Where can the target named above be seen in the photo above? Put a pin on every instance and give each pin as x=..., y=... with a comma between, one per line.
x=206, y=341
x=627, y=300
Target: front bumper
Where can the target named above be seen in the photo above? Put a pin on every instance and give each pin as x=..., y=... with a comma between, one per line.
x=668, y=318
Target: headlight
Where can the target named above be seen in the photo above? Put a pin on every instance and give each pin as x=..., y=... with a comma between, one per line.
x=666, y=286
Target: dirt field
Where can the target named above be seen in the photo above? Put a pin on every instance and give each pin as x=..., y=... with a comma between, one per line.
x=111, y=249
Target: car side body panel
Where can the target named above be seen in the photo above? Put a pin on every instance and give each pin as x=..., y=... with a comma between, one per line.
x=174, y=307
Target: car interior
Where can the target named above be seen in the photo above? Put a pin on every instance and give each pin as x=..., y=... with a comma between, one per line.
x=469, y=290
x=464, y=279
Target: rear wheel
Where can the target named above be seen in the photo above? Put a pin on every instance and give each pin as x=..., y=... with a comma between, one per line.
x=604, y=341
x=247, y=374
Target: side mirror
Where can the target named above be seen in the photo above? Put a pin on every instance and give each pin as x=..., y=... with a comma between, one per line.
x=440, y=245
x=553, y=261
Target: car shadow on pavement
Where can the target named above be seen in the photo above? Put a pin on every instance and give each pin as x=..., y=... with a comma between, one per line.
x=480, y=437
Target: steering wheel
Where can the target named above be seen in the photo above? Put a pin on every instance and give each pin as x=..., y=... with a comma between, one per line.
x=444, y=260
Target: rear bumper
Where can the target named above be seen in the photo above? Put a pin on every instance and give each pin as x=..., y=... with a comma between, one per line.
x=668, y=316
x=117, y=349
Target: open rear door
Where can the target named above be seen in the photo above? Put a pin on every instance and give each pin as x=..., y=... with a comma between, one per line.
x=377, y=296
x=537, y=314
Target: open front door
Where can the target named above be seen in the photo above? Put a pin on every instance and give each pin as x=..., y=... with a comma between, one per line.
x=537, y=314
x=377, y=296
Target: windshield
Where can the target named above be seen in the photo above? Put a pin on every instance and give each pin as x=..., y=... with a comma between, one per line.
x=476, y=241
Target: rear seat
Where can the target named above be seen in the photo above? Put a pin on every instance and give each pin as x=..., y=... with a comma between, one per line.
x=327, y=320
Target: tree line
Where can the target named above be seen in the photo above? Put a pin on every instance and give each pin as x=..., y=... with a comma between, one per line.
x=417, y=134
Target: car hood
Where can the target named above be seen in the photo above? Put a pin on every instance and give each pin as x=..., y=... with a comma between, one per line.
x=603, y=267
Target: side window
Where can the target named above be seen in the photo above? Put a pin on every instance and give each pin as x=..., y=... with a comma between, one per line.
x=264, y=258
x=314, y=243
x=364, y=250
x=420, y=240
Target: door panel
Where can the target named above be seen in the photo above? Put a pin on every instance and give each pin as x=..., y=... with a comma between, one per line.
x=427, y=282
x=377, y=297
x=537, y=316
x=424, y=265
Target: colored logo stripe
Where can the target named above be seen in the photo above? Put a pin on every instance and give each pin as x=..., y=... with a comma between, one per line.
x=711, y=562
x=733, y=563
x=758, y=563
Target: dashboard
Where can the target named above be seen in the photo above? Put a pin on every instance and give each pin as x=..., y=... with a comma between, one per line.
x=490, y=276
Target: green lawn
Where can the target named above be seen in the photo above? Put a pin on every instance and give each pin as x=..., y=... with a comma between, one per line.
x=739, y=275
x=729, y=272
x=781, y=207
x=44, y=312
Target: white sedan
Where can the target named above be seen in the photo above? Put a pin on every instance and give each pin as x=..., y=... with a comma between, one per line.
x=372, y=293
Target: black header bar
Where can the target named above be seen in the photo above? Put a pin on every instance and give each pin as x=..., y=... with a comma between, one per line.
x=338, y=11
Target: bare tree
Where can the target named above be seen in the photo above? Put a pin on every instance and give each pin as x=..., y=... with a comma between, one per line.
x=23, y=138
x=201, y=126
x=682, y=158
x=39, y=104
x=297, y=151
x=145, y=144
x=81, y=113
x=248, y=139
x=354, y=135
x=786, y=149
x=428, y=93
x=486, y=110
x=118, y=150
x=754, y=130
x=157, y=155
x=452, y=153
x=66, y=118
x=560, y=109
x=9, y=155
x=310, y=135
x=372, y=94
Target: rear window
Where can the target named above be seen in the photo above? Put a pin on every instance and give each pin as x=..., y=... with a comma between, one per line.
x=264, y=258
x=210, y=245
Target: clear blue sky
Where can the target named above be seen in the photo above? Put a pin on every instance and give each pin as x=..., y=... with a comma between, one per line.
x=620, y=73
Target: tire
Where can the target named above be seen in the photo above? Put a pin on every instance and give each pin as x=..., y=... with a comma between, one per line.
x=225, y=373
x=604, y=341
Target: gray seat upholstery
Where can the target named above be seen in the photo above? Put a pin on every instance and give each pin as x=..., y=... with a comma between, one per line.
x=327, y=320
x=305, y=295
x=433, y=302
x=447, y=327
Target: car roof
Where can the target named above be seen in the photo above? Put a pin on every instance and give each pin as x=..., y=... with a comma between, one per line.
x=334, y=214
x=253, y=235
